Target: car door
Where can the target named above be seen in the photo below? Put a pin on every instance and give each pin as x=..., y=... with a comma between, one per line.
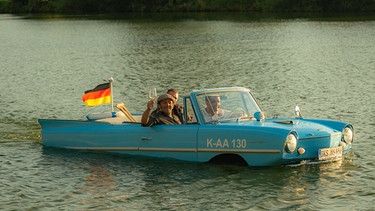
x=215, y=139
x=172, y=141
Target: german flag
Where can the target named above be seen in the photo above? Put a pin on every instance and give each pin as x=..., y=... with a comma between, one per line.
x=101, y=94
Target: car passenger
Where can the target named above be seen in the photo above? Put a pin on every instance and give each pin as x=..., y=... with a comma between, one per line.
x=177, y=109
x=212, y=112
x=163, y=114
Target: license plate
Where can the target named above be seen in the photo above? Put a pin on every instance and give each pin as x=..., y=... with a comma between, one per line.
x=334, y=153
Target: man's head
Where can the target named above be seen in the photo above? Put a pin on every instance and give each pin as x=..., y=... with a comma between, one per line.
x=213, y=102
x=166, y=103
x=173, y=92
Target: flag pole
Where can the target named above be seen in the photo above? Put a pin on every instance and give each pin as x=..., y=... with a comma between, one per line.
x=111, y=86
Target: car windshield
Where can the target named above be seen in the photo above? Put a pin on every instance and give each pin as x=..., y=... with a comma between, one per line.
x=226, y=105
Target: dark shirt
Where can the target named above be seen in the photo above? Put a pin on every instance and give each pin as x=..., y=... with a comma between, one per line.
x=158, y=118
x=178, y=110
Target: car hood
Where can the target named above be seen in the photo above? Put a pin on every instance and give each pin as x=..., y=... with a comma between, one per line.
x=304, y=127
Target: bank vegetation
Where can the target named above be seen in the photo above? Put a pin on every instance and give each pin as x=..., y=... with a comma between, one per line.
x=125, y=6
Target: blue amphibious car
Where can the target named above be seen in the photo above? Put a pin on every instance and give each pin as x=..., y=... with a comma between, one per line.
x=239, y=133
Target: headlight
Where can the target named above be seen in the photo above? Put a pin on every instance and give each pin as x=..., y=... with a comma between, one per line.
x=347, y=135
x=290, y=143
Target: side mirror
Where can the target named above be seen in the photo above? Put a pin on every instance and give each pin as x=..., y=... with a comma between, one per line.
x=259, y=115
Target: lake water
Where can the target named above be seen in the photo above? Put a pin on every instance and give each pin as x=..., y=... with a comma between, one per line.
x=325, y=66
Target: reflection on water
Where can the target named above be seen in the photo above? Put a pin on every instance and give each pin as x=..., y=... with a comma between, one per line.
x=325, y=67
x=98, y=179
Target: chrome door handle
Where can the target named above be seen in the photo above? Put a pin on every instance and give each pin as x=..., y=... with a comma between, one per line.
x=146, y=139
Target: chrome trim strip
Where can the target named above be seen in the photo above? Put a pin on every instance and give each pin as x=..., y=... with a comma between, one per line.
x=251, y=151
x=106, y=148
x=168, y=149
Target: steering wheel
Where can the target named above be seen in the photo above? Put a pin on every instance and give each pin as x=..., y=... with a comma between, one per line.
x=239, y=113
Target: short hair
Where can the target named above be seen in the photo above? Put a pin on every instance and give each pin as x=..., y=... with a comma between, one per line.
x=172, y=90
x=208, y=97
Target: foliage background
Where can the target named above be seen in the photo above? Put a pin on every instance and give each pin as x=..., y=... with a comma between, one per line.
x=121, y=6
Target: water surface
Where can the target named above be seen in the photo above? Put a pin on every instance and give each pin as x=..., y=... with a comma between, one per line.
x=326, y=67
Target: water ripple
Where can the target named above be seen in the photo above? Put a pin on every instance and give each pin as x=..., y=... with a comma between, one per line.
x=324, y=67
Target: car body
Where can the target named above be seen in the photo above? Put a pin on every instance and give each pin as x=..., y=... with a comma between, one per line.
x=242, y=135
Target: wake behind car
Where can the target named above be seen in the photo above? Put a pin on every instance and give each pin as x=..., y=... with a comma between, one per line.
x=220, y=124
